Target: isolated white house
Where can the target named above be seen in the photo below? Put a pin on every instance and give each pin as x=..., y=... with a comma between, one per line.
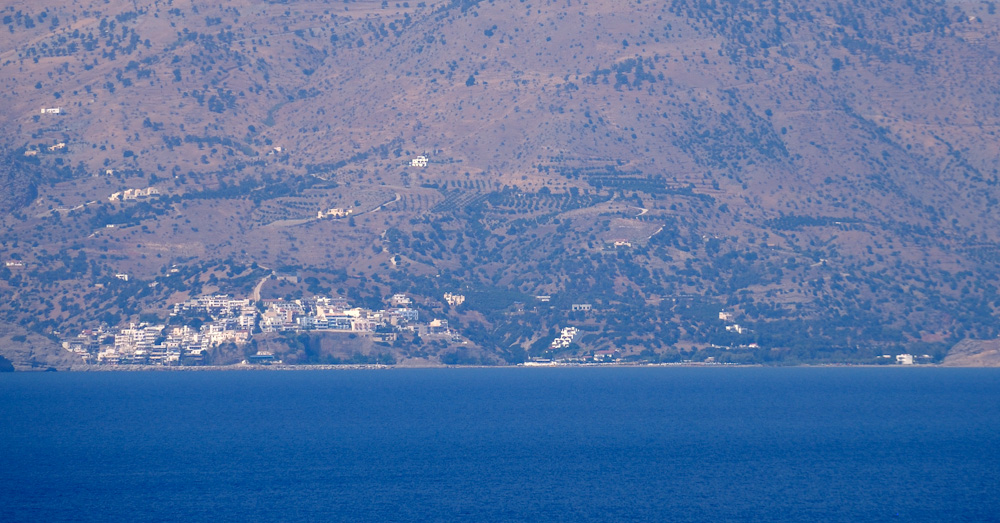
x=454, y=299
x=336, y=212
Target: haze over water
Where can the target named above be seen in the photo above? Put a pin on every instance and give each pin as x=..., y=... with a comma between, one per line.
x=642, y=444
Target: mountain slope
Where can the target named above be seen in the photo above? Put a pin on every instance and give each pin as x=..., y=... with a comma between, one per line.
x=825, y=171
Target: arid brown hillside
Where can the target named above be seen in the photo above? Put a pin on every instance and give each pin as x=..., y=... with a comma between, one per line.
x=827, y=171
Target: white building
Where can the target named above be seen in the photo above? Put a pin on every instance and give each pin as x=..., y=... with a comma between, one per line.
x=419, y=161
x=362, y=325
x=137, y=337
x=904, y=359
x=404, y=314
x=400, y=300
x=335, y=213
x=454, y=299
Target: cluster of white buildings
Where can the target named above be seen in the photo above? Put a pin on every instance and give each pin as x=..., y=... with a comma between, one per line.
x=607, y=356
x=88, y=342
x=163, y=345
x=908, y=359
x=217, y=304
x=454, y=299
x=728, y=317
x=227, y=313
x=322, y=313
x=138, y=343
x=336, y=314
x=565, y=338
x=134, y=194
x=234, y=320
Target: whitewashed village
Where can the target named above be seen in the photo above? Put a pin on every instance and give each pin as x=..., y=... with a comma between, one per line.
x=237, y=321
x=186, y=339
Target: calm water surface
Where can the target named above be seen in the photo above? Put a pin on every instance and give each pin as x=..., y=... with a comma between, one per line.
x=626, y=444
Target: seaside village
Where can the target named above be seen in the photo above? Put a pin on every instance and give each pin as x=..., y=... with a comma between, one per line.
x=199, y=324
x=236, y=320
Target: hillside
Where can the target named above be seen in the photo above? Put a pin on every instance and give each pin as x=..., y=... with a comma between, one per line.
x=824, y=172
x=974, y=353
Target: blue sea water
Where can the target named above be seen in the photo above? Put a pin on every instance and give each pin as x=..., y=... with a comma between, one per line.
x=576, y=444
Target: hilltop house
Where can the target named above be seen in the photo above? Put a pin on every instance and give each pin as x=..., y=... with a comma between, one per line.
x=335, y=213
x=419, y=161
x=454, y=299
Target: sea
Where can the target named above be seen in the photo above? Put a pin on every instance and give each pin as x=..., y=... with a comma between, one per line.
x=507, y=444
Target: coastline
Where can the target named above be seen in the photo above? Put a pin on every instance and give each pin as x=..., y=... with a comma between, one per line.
x=319, y=367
